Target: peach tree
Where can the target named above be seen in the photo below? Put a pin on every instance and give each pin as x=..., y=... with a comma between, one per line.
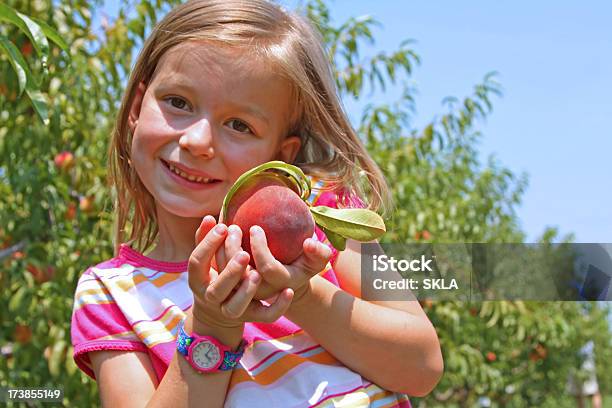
x=63, y=65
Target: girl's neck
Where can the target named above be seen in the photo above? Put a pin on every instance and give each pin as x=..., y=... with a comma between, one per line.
x=176, y=237
x=169, y=252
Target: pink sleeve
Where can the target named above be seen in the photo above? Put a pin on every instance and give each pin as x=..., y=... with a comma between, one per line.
x=98, y=323
x=331, y=199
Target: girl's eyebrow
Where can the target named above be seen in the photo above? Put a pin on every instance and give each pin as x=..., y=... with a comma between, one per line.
x=250, y=109
x=171, y=83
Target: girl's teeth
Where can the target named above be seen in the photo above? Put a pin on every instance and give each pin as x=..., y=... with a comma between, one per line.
x=188, y=176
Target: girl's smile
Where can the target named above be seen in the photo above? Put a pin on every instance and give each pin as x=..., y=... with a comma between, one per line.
x=189, y=178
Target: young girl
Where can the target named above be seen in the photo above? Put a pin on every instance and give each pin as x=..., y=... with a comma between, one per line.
x=220, y=87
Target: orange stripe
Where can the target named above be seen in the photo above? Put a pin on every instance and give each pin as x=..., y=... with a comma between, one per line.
x=280, y=367
x=166, y=278
x=128, y=335
x=102, y=302
x=383, y=394
x=153, y=344
x=96, y=291
x=392, y=404
x=167, y=327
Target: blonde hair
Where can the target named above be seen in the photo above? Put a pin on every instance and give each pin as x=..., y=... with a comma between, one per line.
x=331, y=150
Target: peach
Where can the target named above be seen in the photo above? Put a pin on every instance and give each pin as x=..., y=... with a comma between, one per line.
x=64, y=160
x=86, y=204
x=267, y=200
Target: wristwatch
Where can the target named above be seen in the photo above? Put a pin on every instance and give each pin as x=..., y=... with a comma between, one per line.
x=206, y=354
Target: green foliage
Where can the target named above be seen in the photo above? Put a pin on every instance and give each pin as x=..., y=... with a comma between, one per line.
x=37, y=32
x=55, y=209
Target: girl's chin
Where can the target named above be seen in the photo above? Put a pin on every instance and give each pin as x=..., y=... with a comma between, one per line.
x=187, y=210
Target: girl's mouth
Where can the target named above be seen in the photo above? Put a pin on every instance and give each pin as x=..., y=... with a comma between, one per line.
x=197, y=180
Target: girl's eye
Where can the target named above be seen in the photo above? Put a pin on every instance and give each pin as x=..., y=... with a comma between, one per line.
x=177, y=102
x=239, y=126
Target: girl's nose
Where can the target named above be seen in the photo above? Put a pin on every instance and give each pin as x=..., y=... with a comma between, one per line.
x=198, y=139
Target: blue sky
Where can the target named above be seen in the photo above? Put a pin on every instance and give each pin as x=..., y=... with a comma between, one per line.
x=555, y=65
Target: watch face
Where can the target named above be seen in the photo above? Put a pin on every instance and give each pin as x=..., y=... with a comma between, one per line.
x=205, y=355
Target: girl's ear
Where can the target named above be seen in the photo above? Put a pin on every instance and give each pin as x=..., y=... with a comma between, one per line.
x=136, y=105
x=289, y=148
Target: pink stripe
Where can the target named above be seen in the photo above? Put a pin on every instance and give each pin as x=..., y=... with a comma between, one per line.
x=133, y=273
x=160, y=315
x=280, y=351
x=281, y=328
x=110, y=264
x=133, y=257
x=405, y=404
x=94, y=321
x=123, y=275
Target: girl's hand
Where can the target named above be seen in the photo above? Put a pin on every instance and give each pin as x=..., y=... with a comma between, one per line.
x=232, y=246
x=224, y=299
x=296, y=276
x=293, y=276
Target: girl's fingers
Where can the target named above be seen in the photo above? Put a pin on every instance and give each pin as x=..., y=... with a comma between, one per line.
x=232, y=246
x=233, y=243
x=222, y=287
x=221, y=258
x=316, y=256
x=238, y=303
x=258, y=312
x=206, y=225
x=202, y=255
x=269, y=267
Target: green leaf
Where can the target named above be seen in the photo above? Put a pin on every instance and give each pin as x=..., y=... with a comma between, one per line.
x=17, y=300
x=17, y=61
x=39, y=102
x=296, y=176
x=137, y=26
x=338, y=241
x=10, y=15
x=354, y=223
x=30, y=28
x=53, y=35
x=55, y=360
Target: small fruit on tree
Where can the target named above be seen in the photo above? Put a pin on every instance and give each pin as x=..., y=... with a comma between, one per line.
x=22, y=334
x=86, y=204
x=64, y=160
x=70, y=213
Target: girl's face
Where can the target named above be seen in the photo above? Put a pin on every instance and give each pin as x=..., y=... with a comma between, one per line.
x=210, y=114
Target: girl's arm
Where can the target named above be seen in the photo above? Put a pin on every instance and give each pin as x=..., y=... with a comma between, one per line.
x=127, y=379
x=391, y=343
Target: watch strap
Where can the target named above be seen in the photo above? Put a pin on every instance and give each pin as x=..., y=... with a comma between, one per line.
x=183, y=340
x=230, y=358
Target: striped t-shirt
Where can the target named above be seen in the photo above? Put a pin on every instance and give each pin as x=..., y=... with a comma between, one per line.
x=135, y=303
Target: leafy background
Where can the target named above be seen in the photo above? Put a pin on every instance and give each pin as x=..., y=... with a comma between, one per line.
x=61, y=78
